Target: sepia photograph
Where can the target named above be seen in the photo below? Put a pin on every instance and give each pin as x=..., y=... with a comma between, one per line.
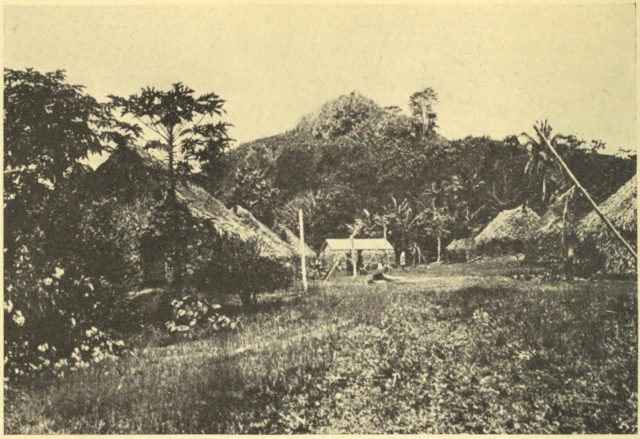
x=320, y=219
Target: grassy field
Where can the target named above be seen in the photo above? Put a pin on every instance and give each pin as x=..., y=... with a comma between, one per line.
x=465, y=350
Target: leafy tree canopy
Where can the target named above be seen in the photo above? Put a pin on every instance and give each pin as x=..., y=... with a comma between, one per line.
x=182, y=125
x=421, y=106
x=49, y=126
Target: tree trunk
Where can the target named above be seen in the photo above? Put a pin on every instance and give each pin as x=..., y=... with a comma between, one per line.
x=174, y=223
x=439, y=247
x=567, y=249
x=172, y=177
x=586, y=194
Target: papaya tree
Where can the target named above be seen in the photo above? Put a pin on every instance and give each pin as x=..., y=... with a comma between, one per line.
x=184, y=126
x=188, y=129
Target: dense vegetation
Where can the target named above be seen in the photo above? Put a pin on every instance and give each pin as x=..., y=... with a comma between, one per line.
x=70, y=237
x=354, y=156
x=462, y=355
x=449, y=356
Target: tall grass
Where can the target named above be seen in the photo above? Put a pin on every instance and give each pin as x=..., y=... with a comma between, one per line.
x=483, y=356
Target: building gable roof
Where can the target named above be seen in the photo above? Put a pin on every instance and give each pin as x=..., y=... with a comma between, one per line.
x=357, y=244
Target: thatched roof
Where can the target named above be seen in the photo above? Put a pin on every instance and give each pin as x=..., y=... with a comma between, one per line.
x=270, y=242
x=621, y=209
x=509, y=226
x=459, y=245
x=134, y=169
x=598, y=242
x=202, y=204
x=293, y=240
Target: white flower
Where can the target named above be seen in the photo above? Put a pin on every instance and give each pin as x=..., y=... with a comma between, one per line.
x=43, y=347
x=59, y=272
x=73, y=322
x=18, y=318
x=8, y=306
x=48, y=281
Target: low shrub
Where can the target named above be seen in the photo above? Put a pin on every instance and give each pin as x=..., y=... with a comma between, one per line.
x=55, y=317
x=194, y=314
x=237, y=267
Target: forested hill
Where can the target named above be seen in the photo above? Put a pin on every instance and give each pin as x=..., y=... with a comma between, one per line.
x=353, y=160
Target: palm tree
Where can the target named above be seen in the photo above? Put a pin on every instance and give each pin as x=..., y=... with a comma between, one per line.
x=541, y=163
x=436, y=220
x=543, y=131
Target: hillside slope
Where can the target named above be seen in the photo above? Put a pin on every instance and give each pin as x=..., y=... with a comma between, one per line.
x=353, y=155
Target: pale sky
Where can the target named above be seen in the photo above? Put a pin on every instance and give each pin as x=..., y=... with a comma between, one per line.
x=497, y=69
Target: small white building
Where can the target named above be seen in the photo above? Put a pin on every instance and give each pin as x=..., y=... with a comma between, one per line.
x=368, y=251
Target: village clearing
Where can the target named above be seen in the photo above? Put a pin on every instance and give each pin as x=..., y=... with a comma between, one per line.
x=468, y=349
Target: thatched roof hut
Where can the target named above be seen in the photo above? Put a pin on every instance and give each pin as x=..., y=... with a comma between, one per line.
x=599, y=244
x=269, y=240
x=129, y=190
x=292, y=239
x=621, y=209
x=460, y=249
x=508, y=232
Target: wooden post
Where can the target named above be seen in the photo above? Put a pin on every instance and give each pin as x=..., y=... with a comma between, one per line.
x=386, y=250
x=354, y=258
x=586, y=194
x=302, y=253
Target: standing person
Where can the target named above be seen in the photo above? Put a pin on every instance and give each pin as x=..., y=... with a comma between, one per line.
x=403, y=260
x=349, y=264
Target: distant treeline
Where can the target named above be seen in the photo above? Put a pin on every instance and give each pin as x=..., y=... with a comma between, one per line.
x=355, y=156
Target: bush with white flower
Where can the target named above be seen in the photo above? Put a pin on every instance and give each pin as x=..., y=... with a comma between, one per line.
x=193, y=315
x=55, y=319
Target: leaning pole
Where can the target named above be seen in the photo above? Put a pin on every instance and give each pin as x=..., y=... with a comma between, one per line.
x=608, y=223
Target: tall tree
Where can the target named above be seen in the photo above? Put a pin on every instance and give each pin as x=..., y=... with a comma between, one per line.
x=543, y=135
x=183, y=125
x=541, y=168
x=421, y=106
x=49, y=126
x=436, y=220
x=188, y=130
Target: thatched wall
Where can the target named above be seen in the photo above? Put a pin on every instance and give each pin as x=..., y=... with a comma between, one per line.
x=272, y=245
